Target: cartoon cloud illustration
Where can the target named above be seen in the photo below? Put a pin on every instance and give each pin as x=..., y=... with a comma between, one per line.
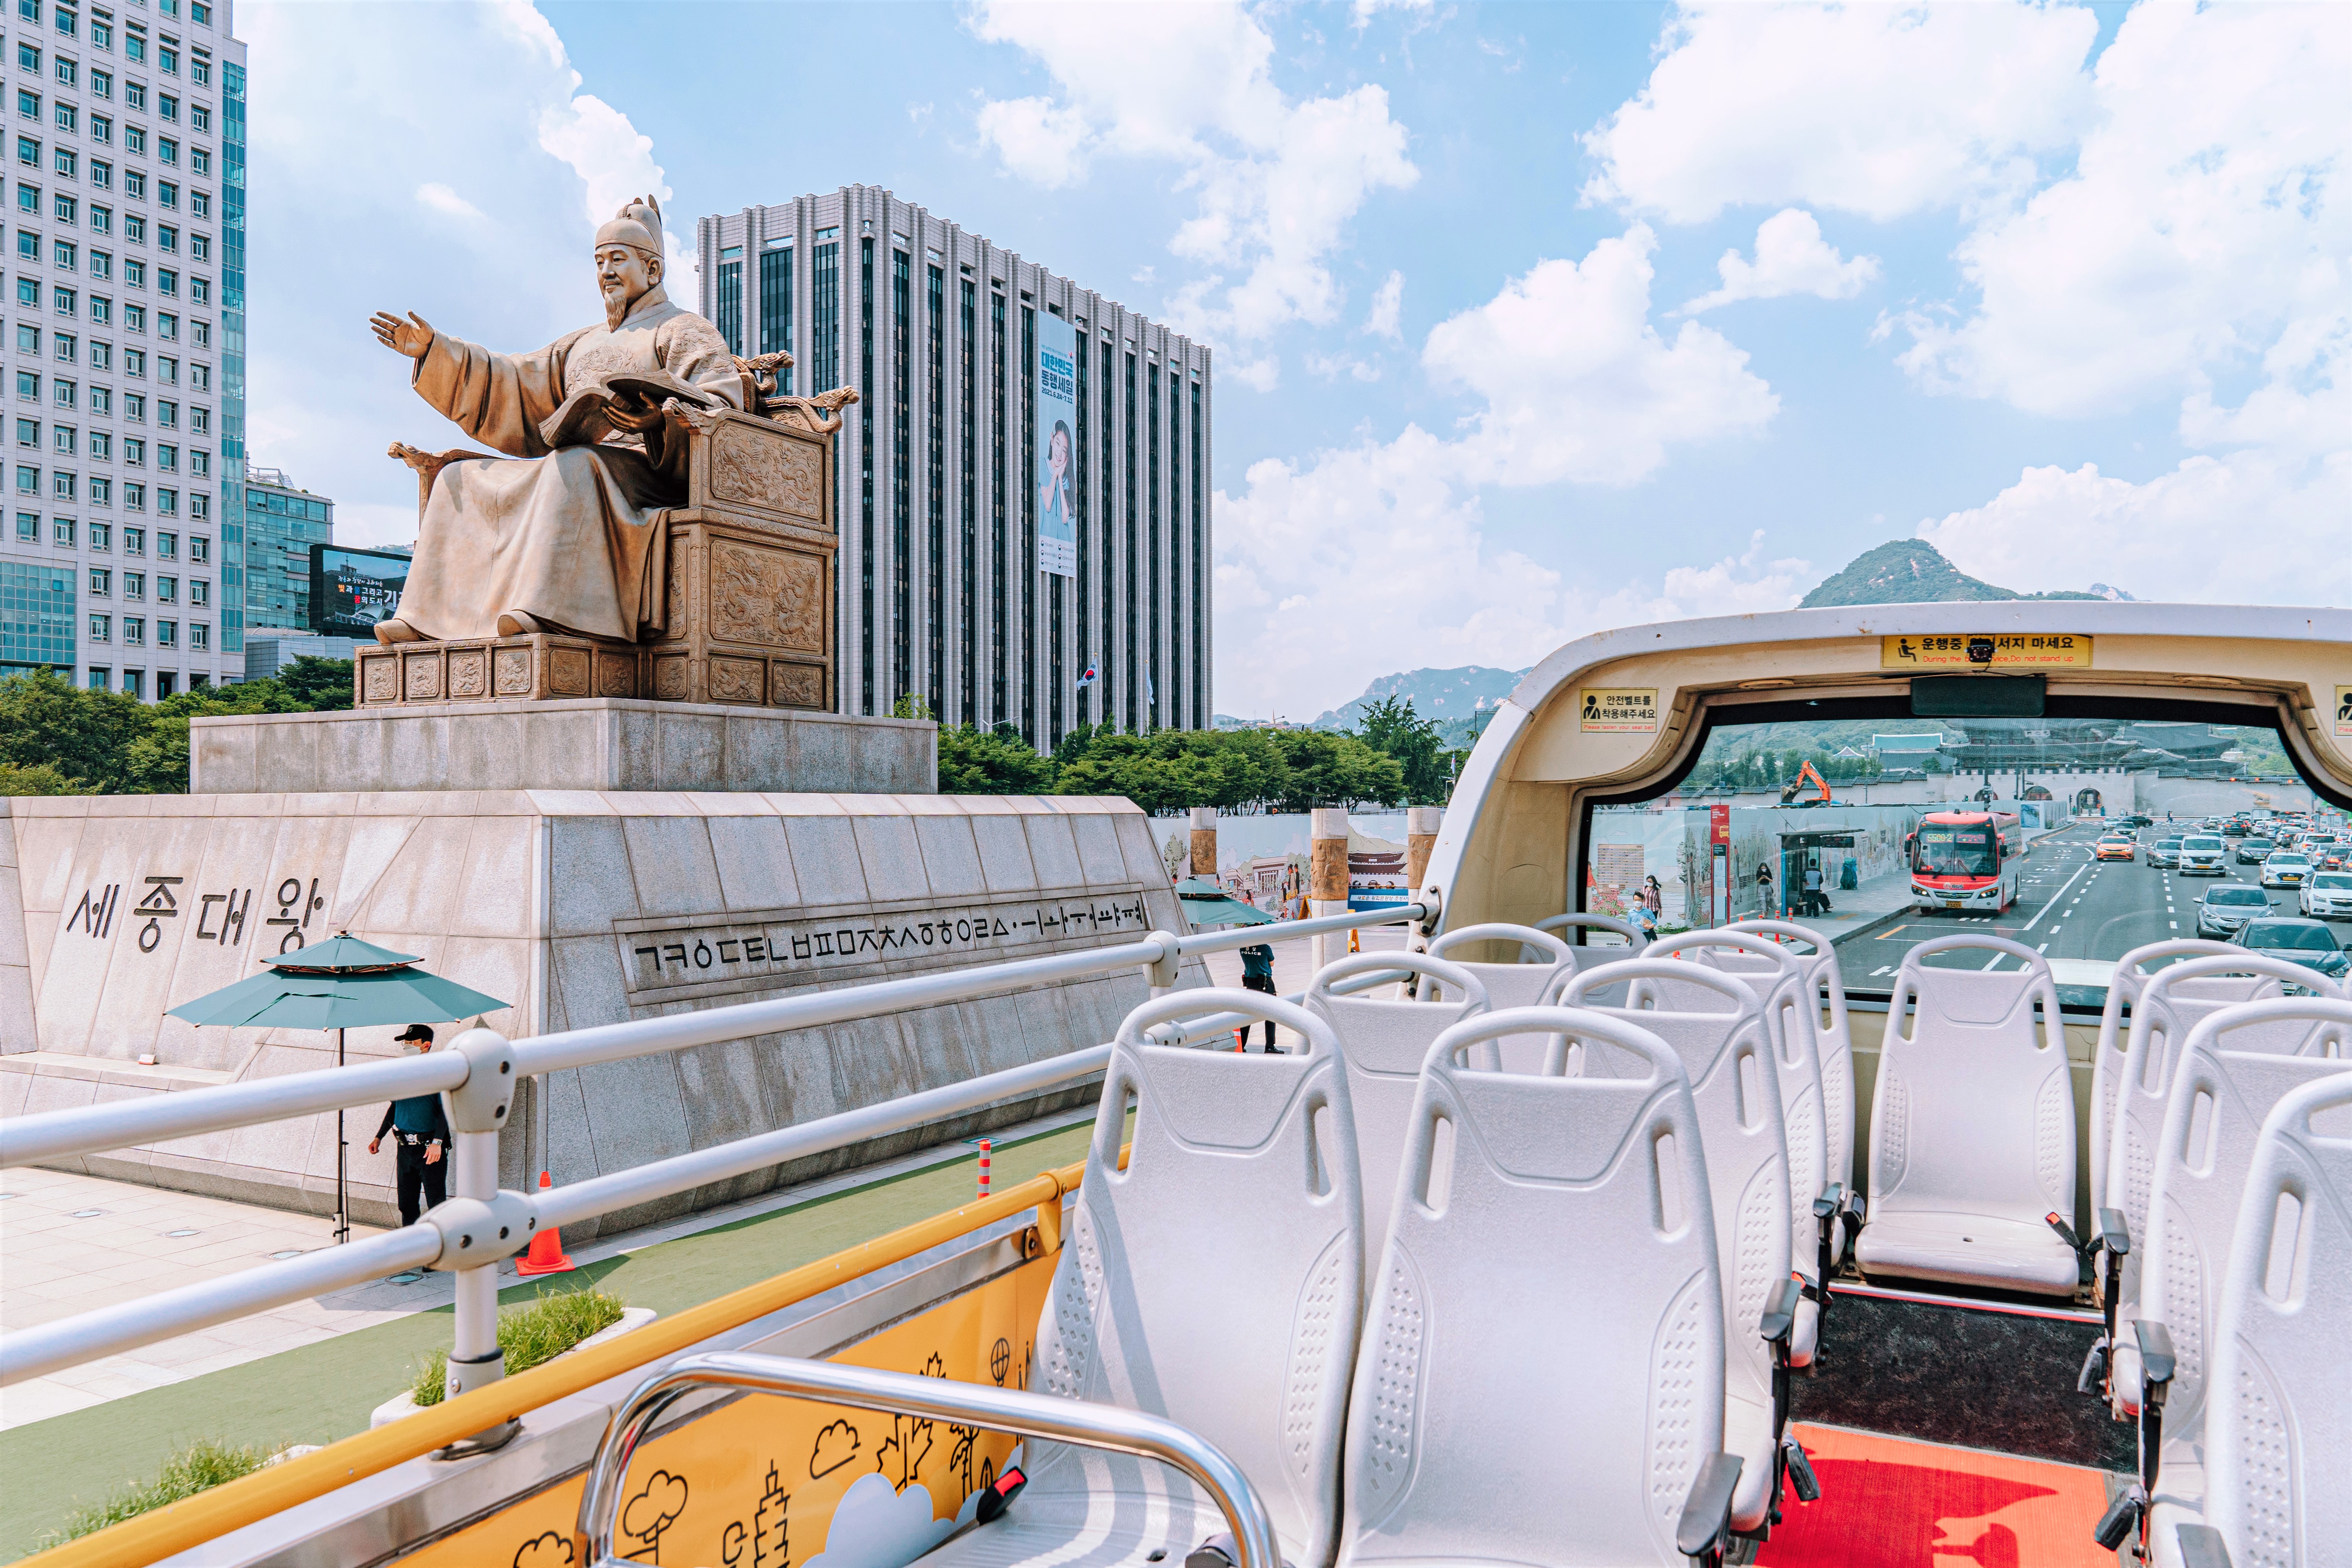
x=654, y=1510
x=835, y=1445
x=551, y=1549
x=875, y=1526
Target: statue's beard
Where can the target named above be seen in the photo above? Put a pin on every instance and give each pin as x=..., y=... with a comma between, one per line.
x=617, y=300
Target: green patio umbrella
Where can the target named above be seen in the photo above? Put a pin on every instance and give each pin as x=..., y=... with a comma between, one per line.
x=340, y=983
x=1206, y=905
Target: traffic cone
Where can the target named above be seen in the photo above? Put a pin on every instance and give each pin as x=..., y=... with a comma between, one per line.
x=986, y=1148
x=546, y=1254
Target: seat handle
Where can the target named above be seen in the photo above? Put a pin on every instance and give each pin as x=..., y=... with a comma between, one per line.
x=1705, y=1523
x=1016, y=1411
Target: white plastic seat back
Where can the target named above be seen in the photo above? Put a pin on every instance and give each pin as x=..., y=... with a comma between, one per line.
x=1782, y=985
x=2124, y=989
x=1521, y=985
x=2214, y=1119
x=2279, y=1424
x=2175, y=1000
x=1383, y=1044
x=1833, y=1041
x=1216, y=1281
x=1541, y=1375
x=1727, y=1059
x=1585, y=954
x=1972, y=1125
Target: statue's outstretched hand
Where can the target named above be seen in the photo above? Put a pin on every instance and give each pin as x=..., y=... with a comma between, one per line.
x=410, y=337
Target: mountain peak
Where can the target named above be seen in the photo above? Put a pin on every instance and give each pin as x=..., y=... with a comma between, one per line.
x=1914, y=571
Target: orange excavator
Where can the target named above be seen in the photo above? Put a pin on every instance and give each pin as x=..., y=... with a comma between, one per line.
x=1806, y=773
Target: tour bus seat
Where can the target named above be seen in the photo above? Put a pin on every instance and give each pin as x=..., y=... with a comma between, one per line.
x=1383, y=1044
x=1585, y=954
x=1833, y=1040
x=2293, y=1033
x=2220, y=1098
x=1972, y=1126
x=1541, y=1375
x=2124, y=988
x=1217, y=1282
x=1781, y=984
x=2171, y=1003
x=1520, y=984
x=2276, y=1446
x=1726, y=1055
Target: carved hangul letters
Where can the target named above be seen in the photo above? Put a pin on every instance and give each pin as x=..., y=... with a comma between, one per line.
x=157, y=906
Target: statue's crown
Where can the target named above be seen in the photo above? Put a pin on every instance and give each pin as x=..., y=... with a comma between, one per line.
x=637, y=226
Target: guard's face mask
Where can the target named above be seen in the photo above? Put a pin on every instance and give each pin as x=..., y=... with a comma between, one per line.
x=416, y=1048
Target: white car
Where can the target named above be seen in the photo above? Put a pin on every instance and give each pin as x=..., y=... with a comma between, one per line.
x=2204, y=855
x=2286, y=869
x=2328, y=896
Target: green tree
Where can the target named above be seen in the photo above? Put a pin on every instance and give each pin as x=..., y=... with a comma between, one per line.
x=1390, y=726
x=40, y=778
x=1329, y=768
x=82, y=734
x=980, y=762
x=322, y=685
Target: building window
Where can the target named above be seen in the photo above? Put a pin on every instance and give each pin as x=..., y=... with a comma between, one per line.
x=825, y=308
x=200, y=640
x=134, y=586
x=134, y=682
x=1028, y=565
x=902, y=499
x=134, y=542
x=866, y=472
x=101, y=536
x=61, y=533
x=776, y=305
x=28, y=528
x=936, y=470
x=62, y=485
x=730, y=295
x=101, y=489
x=101, y=583
x=101, y=629
x=167, y=589
x=200, y=549
x=199, y=593
x=1134, y=688
x=97, y=676
x=167, y=635
x=998, y=524
x=135, y=631
x=37, y=614
x=967, y=587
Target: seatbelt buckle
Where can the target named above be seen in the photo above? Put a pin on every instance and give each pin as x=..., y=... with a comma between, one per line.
x=1800, y=1470
x=998, y=1498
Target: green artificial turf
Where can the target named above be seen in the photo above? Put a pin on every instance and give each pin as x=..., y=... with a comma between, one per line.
x=318, y=1392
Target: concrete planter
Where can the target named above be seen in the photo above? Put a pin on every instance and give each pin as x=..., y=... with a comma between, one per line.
x=404, y=1403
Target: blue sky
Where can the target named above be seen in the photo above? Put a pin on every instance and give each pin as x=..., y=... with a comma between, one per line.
x=1531, y=320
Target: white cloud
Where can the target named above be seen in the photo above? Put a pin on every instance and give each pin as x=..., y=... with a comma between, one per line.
x=359, y=146
x=1384, y=319
x=442, y=199
x=1331, y=367
x=1363, y=11
x=1877, y=110
x=1578, y=385
x=1275, y=180
x=1791, y=257
x=2180, y=536
x=874, y=1526
x=2206, y=220
x=1320, y=566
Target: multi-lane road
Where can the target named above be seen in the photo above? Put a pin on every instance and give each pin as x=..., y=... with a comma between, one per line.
x=2069, y=906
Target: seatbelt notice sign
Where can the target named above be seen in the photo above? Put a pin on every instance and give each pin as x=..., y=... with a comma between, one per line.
x=2344, y=712
x=1618, y=710
x=2037, y=650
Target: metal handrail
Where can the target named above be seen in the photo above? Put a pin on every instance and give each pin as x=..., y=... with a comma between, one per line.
x=95, y=1129
x=1024, y=1415
x=444, y=1238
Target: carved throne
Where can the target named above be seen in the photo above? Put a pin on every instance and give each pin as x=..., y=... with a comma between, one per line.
x=750, y=580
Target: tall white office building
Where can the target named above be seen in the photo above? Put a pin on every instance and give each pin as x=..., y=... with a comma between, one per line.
x=120, y=555
x=943, y=595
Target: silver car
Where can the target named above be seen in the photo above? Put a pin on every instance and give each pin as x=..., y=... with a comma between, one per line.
x=2226, y=909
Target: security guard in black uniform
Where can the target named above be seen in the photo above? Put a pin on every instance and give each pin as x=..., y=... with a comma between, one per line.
x=421, y=1128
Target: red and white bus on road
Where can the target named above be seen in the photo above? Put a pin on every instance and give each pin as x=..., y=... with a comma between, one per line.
x=1966, y=860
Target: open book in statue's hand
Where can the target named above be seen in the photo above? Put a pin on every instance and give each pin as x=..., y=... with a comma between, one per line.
x=583, y=418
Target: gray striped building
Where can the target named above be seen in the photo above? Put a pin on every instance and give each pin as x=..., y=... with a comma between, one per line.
x=941, y=595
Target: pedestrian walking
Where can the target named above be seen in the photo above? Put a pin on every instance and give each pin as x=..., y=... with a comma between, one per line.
x=1257, y=975
x=1764, y=887
x=1654, y=897
x=420, y=1129
x=1812, y=890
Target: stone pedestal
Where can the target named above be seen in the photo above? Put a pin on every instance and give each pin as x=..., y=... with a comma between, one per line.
x=598, y=743
x=581, y=906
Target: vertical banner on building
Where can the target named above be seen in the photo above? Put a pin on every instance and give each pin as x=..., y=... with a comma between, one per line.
x=1058, y=447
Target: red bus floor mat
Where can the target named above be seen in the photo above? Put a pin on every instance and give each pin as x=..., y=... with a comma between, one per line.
x=1890, y=1503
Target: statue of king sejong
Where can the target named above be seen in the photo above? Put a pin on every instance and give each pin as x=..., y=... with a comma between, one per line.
x=564, y=533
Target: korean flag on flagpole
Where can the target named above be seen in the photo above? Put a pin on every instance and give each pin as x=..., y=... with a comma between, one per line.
x=1092, y=675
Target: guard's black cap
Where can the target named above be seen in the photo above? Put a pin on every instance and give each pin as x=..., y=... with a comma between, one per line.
x=416, y=1032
